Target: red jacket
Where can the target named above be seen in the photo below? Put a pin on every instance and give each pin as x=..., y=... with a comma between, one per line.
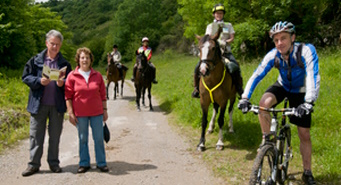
x=86, y=97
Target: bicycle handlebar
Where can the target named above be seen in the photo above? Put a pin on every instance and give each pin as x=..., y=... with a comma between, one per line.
x=286, y=111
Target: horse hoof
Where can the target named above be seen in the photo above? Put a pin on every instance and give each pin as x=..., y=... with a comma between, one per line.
x=219, y=147
x=209, y=132
x=201, y=148
x=151, y=109
x=231, y=131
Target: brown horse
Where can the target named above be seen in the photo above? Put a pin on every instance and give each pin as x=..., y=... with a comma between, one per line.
x=113, y=75
x=215, y=87
x=143, y=80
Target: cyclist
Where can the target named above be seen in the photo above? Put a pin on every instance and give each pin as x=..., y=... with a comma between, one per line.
x=148, y=52
x=225, y=39
x=298, y=80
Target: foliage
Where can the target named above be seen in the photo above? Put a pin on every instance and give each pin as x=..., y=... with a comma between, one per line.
x=317, y=21
x=137, y=19
x=23, y=27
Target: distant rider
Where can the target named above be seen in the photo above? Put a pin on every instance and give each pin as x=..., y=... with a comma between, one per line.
x=148, y=52
x=116, y=55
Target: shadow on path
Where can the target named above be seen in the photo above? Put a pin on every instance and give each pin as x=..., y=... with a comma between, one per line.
x=115, y=168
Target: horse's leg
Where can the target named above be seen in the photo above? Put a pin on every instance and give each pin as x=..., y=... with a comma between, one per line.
x=150, y=98
x=108, y=83
x=212, y=122
x=201, y=145
x=122, y=87
x=220, y=143
x=142, y=95
x=115, y=90
x=138, y=95
x=118, y=89
x=230, y=115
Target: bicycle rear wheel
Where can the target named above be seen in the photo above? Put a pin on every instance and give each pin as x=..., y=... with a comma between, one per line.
x=263, y=166
x=285, y=155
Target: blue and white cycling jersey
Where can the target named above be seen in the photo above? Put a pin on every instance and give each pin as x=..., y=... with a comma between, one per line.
x=303, y=79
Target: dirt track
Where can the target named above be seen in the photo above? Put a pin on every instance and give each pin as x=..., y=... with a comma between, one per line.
x=143, y=150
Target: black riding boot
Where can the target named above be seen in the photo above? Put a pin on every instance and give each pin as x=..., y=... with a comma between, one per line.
x=134, y=73
x=195, y=93
x=154, y=75
x=238, y=82
x=120, y=71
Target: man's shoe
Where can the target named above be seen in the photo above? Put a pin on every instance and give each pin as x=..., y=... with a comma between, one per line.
x=103, y=168
x=195, y=93
x=55, y=169
x=83, y=169
x=307, y=178
x=30, y=171
x=154, y=81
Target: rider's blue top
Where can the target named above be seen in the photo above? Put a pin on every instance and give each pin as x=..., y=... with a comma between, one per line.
x=303, y=79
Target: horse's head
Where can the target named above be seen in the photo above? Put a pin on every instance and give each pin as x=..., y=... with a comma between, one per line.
x=141, y=59
x=210, y=53
x=109, y=58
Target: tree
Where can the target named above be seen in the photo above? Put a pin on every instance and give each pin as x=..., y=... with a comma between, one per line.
x=23, y=28
x=252, y=20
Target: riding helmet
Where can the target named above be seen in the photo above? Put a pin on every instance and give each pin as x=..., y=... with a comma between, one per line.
x=218, y=7
x=145, y=39
x=282, y=26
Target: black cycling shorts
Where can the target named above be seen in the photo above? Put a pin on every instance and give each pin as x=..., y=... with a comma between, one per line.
x=295, y=99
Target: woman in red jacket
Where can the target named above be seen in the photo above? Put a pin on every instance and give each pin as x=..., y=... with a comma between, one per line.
x=86, y=103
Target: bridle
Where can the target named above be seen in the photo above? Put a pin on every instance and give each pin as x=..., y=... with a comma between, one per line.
x=215, y=59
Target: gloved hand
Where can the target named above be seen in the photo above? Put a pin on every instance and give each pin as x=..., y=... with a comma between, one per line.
x=304, y=109
x=244, y=105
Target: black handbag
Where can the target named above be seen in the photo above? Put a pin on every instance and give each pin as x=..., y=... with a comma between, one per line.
x=106, y=133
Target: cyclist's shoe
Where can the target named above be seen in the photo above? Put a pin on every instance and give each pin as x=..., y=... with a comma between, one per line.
x=307, y=178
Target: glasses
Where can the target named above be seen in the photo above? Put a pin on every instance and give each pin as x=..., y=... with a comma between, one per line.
x=54, y=44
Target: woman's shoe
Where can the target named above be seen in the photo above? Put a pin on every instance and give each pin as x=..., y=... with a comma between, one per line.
x=103, y=168
x=83, y=169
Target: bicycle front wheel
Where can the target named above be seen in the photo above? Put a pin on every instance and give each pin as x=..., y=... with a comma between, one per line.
x=285, y=155
x=263, y=166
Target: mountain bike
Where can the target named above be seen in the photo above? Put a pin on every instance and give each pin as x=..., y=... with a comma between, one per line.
x=272, y=161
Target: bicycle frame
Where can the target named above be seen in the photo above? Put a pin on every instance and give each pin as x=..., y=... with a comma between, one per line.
x=276, y=138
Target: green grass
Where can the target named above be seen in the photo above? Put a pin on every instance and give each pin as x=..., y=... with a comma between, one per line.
x=14, y=119
x=175, y=75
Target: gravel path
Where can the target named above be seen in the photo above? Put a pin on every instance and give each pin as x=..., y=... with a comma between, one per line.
x=143, y=150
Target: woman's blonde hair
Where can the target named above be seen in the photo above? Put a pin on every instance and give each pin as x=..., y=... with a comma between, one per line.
x=86, y=51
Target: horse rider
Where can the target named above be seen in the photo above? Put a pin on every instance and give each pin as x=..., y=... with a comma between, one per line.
x=116, y=56
x=225, y=39
x=148, y=52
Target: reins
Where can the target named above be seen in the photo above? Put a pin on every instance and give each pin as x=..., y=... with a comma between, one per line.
x=214, y=88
